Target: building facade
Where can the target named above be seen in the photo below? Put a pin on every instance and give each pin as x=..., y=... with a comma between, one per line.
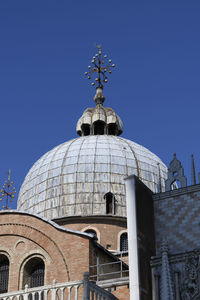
x=71, y=218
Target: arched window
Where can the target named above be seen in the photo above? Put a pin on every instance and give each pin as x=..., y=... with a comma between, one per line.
x=85, y=129
x=110, y=203
x=112, y=129
x=34, y=273
x=91, y=231
x=99, y=127
x=4, y=273
x=124, y=242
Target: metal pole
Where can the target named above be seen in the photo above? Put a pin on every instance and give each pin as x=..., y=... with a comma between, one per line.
x=132, y=238
x=98, y=268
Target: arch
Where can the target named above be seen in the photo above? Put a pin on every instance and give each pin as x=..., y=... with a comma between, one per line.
x=99, y=127
x=123, y=241
x=176, y=184
x=91, y=229
x=110, y=203
x=112, y=129
x=34, y=272
x=4, y=273
x=35, y=235
x=85, y=128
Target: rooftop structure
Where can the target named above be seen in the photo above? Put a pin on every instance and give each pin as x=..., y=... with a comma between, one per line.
x=76, y=177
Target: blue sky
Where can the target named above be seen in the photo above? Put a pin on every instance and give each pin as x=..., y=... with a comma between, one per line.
x=45, y=48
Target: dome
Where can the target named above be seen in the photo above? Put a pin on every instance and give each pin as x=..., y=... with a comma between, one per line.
x=99, y=119
x=97, y=115
x=73, y=178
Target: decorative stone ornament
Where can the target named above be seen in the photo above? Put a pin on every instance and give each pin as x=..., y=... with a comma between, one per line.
x=166, y=282
x=175, y=175
x=190, y=283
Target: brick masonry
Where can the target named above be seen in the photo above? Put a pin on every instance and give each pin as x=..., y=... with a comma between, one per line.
x=108, y=228
x=22, y=237
x=66, y=255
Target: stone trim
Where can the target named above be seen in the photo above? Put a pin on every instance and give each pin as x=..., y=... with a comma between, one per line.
x=178, y=192
x=68, y=230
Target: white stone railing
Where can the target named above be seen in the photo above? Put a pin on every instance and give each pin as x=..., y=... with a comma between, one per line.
x=93, y=291
x=56, y=291
x=76, y=290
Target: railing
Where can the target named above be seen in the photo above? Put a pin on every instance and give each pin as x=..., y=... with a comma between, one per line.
x=46, y=292
x=62, y=291
x=93, y=291
x=103, y=271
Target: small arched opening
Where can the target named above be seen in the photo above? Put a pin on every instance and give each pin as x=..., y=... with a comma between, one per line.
x=99, y=128
x=110, y=203
x=112, y=129
x=33, y=274
x=92, y=231
x=124, y=242
x=175, y=185
x=4, y=273
x=85, y=129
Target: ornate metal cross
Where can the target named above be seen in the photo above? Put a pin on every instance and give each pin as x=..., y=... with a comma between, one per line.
x=101, y=66
x=8, y=191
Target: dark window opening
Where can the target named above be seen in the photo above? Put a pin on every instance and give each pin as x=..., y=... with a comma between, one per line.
x=112, y=129
x=124, y=242
x=4, y=274
x=91, y=231
x=34, y=273
x=85, y=129
x=99, y=127
x=110, y=203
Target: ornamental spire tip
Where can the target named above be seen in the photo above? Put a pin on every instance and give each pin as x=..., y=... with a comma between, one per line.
x=8, y=191
x=100, y=65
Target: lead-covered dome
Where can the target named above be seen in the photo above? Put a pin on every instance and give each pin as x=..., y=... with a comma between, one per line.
x=73, y=178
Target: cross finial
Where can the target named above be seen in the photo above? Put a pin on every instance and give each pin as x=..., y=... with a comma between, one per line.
x=101, y=66
x=8, y=191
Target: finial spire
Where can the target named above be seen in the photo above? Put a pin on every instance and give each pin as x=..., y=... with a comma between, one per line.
x=166, y=281
x=8, y=191
x=193, y=173
x=101, y=65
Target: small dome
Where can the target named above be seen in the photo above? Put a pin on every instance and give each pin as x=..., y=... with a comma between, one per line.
x=73, y=178
x=99, y=115
x=99, y=120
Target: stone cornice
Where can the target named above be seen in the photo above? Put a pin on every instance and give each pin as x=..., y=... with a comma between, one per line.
x=177, y=192
x=58, y=227
x=90, y=218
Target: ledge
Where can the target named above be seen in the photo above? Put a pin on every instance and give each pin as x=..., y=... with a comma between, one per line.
x=55, y=225
x=177, y=192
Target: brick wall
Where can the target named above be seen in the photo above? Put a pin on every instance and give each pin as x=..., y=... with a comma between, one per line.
x=22, y=237
x=108, y=228
x=122, y=292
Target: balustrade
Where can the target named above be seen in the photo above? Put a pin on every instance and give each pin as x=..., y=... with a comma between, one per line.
x=76, y=290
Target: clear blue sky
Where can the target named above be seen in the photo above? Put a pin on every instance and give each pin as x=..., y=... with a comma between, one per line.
x=45, y=48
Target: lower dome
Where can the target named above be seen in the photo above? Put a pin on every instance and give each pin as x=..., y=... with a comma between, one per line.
x=73, y=178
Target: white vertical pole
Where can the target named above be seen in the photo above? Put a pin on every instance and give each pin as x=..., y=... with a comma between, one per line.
x=132, y=238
